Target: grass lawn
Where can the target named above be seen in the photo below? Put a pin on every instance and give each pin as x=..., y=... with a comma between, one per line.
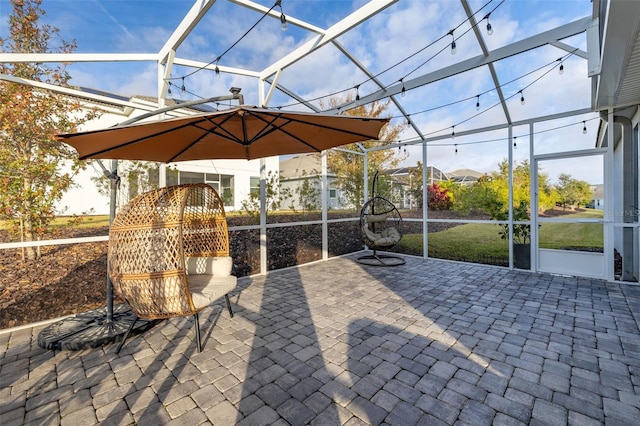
x=73, y=222
x=562, y=235
x=477, y=241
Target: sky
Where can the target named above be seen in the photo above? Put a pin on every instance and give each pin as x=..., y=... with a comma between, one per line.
x=408, y=39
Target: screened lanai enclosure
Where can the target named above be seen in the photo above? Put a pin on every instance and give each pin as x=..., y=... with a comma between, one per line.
x=513, y=133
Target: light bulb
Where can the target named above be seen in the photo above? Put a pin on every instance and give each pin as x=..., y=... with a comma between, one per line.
x=453, y=131
x=403, y=92
x=453, y=47
x=561, y=70
x=584, y=128
x=283, y=20
x=489, y=28
x=456, y=148
x=521, y=98
x=477, y=102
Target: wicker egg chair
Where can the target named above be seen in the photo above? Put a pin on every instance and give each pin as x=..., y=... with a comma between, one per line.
x=169, y=253
x=381, y=229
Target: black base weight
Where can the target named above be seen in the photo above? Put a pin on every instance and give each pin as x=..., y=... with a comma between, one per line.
x=91, y=329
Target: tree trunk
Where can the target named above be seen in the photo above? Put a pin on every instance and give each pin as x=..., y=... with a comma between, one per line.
x=27, y=230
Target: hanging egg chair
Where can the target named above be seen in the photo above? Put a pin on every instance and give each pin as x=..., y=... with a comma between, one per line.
x=381, y=229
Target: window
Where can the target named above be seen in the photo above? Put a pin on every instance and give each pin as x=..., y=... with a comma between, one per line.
x=254, y=186
x=223, y=184
x=172, y=177
x=226, y=189
x=191, y=177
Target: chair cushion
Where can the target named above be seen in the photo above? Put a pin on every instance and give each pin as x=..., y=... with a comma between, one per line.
x=208, y=265
x=386, y=238
x=375, y=218
x=206, y=289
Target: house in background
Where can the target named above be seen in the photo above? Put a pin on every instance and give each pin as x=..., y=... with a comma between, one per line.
x=301, y=177
x=402, y=184
x=464, y=176
x=597, y=198
x=234, y=180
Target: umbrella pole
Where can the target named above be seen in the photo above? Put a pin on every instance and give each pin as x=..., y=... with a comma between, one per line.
x=99, y=326
x=115, y=182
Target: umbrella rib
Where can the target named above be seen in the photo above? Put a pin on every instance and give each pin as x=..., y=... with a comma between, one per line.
x=272, y=128
x=135, y=141
x=227, y=135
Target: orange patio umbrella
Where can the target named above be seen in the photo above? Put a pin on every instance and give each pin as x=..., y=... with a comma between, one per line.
x=242, y=132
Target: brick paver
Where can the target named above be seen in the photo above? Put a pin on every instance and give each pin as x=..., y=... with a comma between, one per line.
x=430, y=342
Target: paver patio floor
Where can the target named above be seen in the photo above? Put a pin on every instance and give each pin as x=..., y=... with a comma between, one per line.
x=430, y=342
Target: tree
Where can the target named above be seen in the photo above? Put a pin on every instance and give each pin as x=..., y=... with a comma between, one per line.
x=35, y=169
x=491, y=192
x=572, y=192
x=275, y=196
x=439, y=197
x=349, y=168
x=308, y=191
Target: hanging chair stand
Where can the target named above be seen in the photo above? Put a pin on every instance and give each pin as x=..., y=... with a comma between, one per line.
x=381, y=229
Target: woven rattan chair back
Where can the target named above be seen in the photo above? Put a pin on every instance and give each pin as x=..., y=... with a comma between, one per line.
x=149, y=240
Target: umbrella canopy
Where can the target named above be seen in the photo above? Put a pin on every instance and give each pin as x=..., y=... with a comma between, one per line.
x=243, y=132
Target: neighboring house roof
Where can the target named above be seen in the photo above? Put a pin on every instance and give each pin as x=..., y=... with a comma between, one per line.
x=301, y=165
x=117, y=105
x=465, y=172
x=405, y=170
x=598, y=192
x=464, y=175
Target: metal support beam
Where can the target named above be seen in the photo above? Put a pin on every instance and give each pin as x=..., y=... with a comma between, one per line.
x=356, y=18
x=518, y=47
x=77, y=57
x=188, y=23
x=485, y=52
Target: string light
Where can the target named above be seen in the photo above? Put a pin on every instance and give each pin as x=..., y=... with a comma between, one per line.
x=456, y=145
x=357, y=92
x=477, y=102
x=453, y=43
x=521, y=97
x=515, y=145
x=584, y=127
x=184, y=90
x=561, y=69
x=489, y=27
x=410, y=56
x=403, y=92
x=453, y=131
x=283, y=19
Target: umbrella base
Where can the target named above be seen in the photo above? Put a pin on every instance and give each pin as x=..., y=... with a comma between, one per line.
x=91, y=329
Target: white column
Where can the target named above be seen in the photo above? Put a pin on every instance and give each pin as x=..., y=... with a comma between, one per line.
x=324, y=198
x=425, y=204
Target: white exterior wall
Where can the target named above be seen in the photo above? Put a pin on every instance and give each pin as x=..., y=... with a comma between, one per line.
x=242, y=170
x=293, y=184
